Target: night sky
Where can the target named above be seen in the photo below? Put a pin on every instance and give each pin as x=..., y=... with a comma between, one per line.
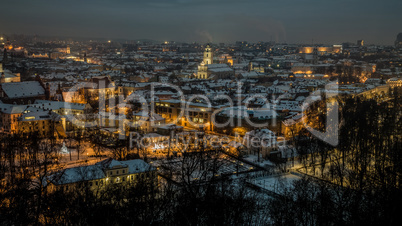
x=292, y=21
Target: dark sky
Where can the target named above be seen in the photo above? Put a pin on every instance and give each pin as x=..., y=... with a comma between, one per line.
x=293, y=21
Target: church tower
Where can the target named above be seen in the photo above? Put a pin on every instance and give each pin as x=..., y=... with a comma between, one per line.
x=202, y=71
x=315, y=55
x=208, y=55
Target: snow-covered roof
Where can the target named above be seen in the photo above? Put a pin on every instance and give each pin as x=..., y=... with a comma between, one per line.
x=261, y=133
x=97, y=171
x=145, y=116
x=243, y=112
x=47, y=104
x=23, y=89
x=395, y=79
x=77, y=174
x=138, y=166
x=12, y=109
x=35, y=114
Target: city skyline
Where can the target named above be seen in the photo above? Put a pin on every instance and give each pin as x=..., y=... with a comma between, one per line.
x=200, y=112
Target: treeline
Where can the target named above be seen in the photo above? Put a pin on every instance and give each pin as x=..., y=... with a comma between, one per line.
x=359, y=181
x=26, y=200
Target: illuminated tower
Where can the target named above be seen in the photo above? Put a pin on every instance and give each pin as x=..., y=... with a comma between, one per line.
x=208, y=55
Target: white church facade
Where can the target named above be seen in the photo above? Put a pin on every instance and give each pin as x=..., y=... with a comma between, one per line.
x=208, y=70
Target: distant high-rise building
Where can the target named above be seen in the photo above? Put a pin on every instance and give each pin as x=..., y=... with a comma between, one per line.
x=360, y=43
x=398, y=41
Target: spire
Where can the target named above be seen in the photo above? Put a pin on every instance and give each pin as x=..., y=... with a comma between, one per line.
x=47, y=91
x=59, y=91
x=315, y=55
x=250, y=66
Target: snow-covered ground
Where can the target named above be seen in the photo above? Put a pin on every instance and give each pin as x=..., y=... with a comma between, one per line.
x=262, y=162
x=275, y=184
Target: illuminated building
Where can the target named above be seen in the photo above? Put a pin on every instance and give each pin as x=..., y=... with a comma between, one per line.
x=199, y=116
x=257, y=68
x=40, y=55
x=74, y=97
x=148, y=122
x=9, y=115
x=321, y=49
x=23, y=92
x=62, y=108
x=208, y=70
x=202, y=71
x=44, y=123
x=34, y=117
x=292, y=126
x=64, y=50
x=395, y=82
x=377, y=91
x=100, y=85
x=106, y=172
x=301, y=68
x=7, y=76
x=208, y=55
x=56, y=55
x=226, y=59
